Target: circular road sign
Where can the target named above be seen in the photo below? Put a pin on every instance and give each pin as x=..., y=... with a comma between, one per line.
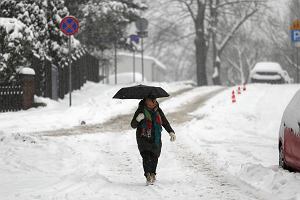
x=142, y=24
x=69, y=25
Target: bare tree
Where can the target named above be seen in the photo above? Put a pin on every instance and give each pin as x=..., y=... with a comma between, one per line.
x=197, y=10
x=240, y=12
x=241, y=62
x=205, y=15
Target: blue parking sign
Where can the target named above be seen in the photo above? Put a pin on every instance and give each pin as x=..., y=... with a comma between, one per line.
x=295, y=35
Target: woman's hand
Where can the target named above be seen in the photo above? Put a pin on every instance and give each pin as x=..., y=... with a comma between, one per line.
x=172, y=136
x=140, y=117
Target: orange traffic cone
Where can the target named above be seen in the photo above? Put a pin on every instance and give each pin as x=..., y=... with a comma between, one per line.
x=233, y=97
x=244, y=87
x=239, y=90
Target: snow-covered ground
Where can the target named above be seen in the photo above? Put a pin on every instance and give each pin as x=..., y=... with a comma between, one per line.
x=228, y=151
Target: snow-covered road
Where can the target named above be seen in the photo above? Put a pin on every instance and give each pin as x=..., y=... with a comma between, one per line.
x=223, y=151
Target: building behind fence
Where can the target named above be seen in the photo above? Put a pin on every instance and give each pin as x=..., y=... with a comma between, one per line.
x=49, y=81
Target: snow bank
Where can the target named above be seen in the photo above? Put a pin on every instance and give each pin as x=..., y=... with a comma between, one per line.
x=282, y=184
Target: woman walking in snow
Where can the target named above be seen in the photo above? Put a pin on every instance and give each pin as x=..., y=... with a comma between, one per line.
x=148, y=120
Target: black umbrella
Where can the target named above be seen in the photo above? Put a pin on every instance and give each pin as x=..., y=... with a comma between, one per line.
x=140, y=92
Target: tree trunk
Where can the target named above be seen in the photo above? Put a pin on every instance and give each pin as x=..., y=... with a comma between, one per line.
x=217, y=69
x=216, y=53
x=201, y=44
x=201, y=54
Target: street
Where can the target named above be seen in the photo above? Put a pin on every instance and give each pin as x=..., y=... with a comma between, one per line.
x=202, y=164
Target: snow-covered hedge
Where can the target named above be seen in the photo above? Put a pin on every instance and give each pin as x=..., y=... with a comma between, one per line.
x=41, y=20
x=15, y=47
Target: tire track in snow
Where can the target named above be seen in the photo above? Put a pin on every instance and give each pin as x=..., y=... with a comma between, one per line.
x=223, y=186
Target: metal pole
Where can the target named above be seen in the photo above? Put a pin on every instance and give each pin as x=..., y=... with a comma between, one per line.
x=134, y=66
x=297, y=65
x=70, y=73
x=143, y=58
x=116, y=62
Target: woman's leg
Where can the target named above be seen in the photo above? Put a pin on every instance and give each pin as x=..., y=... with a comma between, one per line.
x=147, y=162
x=154, y=163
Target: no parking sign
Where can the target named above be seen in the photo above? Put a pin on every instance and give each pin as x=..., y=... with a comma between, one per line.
x=69, y=26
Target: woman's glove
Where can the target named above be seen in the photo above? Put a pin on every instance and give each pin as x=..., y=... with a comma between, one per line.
x=172, y=136
x=140, y=117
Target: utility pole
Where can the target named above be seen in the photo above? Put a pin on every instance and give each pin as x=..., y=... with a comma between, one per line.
x=116, y=64
x=133, y=64
x=70, y=73
x=142, y=52
x=142, y=25
x=297, y=56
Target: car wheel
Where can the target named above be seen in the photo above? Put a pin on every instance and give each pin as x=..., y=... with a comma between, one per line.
x=282, y=162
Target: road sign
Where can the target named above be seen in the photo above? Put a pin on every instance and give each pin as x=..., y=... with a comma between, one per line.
x=141, y=24
x=295, y=25
x=134, y=38
x=295, y=32
x=69, y=25
x=295, y=35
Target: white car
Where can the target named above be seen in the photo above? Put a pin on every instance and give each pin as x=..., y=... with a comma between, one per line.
x=269, y=72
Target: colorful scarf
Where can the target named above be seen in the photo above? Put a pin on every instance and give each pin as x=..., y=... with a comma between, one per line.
x=152, y=121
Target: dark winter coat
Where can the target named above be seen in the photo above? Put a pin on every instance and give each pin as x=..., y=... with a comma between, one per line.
x=145, y=144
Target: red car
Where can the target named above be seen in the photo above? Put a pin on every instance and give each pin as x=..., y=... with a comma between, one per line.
x=289, y=135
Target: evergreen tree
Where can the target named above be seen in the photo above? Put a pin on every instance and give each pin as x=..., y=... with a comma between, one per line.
x=104, y=22
x=43, y=18
x=15, y=51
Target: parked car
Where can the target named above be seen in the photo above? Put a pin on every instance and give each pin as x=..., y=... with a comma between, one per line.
x=269, y=72
x=289, y=135
x=287, y=77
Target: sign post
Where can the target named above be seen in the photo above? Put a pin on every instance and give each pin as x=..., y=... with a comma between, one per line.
x=295, y=37
x=69, y=26
x=134, y=39
x=142, y=25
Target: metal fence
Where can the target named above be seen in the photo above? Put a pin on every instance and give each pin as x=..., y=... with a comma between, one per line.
x=53, y=81
x=11, y=97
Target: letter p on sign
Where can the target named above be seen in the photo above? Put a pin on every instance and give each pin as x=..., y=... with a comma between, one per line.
x=296, y=35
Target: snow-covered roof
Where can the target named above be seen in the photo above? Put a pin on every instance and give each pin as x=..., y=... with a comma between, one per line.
x=27, y=70
x=14, y=27
x=157, y=62
x=267, y=67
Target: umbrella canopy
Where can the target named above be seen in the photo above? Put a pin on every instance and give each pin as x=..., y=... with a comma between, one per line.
x=140, y=92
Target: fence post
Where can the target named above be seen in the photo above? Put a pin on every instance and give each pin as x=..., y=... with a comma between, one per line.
x=27, y=78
